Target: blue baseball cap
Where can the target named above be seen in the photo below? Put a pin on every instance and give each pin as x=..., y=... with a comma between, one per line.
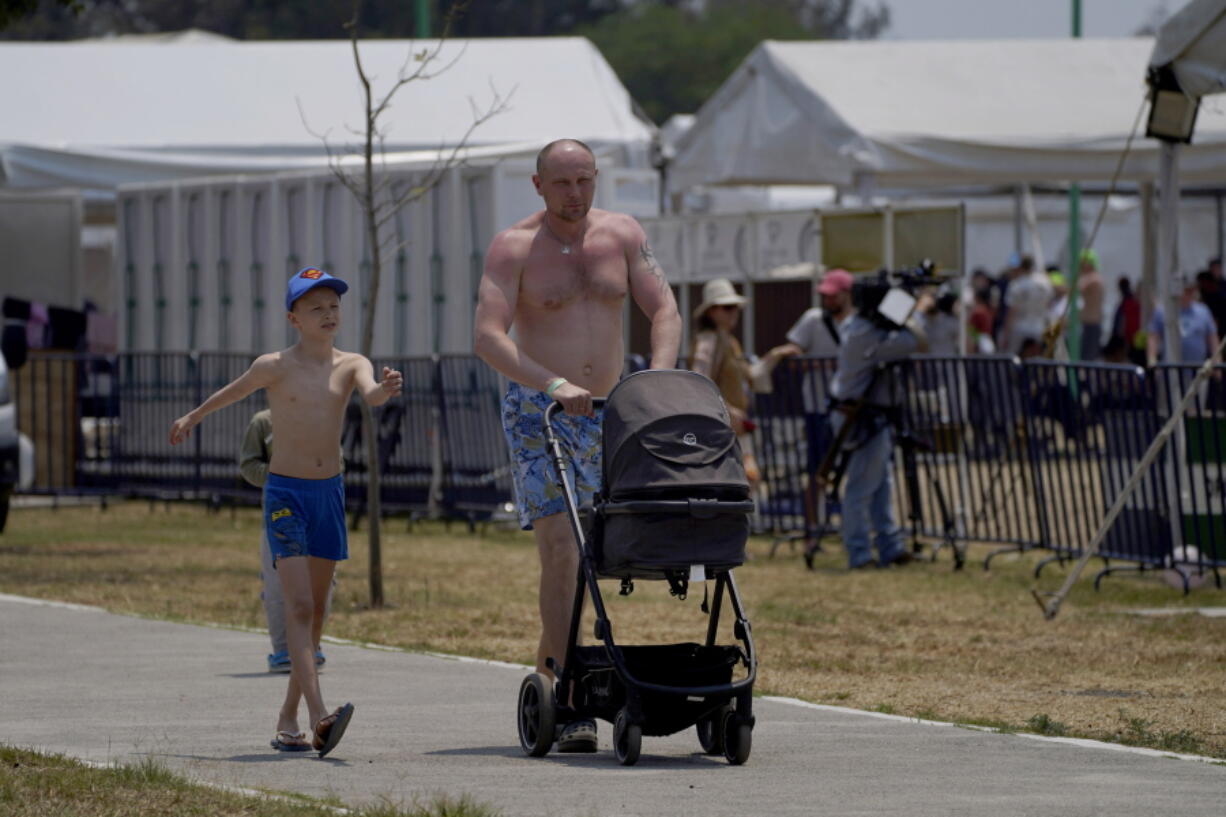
x=305, y=280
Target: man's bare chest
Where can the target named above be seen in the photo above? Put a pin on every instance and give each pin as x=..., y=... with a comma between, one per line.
x=552, y=281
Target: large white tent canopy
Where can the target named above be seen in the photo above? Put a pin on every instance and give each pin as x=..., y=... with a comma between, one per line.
x=913, y=114
x=95, y=114
x=1193, y=43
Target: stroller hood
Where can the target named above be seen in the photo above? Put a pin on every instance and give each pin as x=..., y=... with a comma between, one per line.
x=668, y=429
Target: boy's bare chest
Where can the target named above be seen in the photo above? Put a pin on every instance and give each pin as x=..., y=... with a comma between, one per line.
x=598, y=273
x=315, y=386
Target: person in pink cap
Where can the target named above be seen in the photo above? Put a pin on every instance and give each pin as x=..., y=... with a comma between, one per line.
x=817, y=335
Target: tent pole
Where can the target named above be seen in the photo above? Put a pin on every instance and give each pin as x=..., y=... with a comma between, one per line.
x=1147, y=285
x=1169, y=287
x=865, y=182
x=1168, y=293
x=1072, y=332
x=421, y=25
x=1221, y=227
x=1017, y=220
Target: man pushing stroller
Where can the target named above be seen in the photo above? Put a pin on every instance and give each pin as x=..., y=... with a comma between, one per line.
x=560, y=277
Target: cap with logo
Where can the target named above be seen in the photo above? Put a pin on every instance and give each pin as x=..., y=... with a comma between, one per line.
x=305, y=280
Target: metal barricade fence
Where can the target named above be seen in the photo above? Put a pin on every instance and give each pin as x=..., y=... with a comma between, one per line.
x=1067, y=498
x=1123, y=416
x=967, y=420
x=217, y=445
x=476, y=463
x=960, y=465
x=1088, y=426
x=96, y=419
x=406, y=441
x=1196, y=474
x=1027, y=455
x=790, y=439
x=1045, y=449
x=65, y=406
x=156, y=388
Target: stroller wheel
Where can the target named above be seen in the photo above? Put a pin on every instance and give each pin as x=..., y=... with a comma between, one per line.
x=711, y=731
x=738, y=738
x=627, y=739
x=536, y=714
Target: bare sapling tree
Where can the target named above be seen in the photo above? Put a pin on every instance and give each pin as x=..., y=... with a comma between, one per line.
x=364, y=171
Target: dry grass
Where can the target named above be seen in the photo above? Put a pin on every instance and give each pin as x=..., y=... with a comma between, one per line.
x=922, y=641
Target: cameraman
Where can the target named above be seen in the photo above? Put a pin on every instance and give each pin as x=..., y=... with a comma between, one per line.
x=859, y=397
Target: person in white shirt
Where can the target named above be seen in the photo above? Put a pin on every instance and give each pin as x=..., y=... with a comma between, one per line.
x=817, y=333
x=1027, y=301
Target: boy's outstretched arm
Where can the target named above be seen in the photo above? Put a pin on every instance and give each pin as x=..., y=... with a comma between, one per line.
x=376, y=394
x=259, y=375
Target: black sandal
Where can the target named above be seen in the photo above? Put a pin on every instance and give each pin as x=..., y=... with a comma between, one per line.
x=330, y=729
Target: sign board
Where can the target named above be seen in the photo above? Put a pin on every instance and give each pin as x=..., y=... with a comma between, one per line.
x=723, y=248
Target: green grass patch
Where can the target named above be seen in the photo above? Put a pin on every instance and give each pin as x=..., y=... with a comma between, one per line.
x=1045, y=725
x=42, y=785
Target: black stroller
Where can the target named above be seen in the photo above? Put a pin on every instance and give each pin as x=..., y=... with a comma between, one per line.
x=674, y=506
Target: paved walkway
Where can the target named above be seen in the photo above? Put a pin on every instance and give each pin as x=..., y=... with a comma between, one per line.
x=104, y=687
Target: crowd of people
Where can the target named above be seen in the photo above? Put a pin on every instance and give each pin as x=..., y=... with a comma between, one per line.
x=1024, y=310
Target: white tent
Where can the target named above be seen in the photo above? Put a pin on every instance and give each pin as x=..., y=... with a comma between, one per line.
x=1193, y=43
x=891, y=114
x=98, y=113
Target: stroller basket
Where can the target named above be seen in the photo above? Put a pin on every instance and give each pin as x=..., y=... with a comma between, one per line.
x=688, y=665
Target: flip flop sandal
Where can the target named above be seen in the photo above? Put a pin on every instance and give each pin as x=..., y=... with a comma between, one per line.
x=330, y=728
x=290, y=742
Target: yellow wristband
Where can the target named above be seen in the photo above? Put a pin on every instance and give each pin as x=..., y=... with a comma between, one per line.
x=554, y=385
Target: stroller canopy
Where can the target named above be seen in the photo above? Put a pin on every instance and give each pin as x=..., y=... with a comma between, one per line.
x=665, y=429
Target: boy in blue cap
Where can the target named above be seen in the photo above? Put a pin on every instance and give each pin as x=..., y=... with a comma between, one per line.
x=308, y=387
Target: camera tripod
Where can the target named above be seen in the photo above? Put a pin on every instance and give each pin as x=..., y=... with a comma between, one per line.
x=910, y=443
x=834, y=464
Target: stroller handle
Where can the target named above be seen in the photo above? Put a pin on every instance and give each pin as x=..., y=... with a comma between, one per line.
x=555, y=407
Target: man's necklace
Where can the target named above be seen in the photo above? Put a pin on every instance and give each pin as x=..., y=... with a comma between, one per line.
x=565, y=246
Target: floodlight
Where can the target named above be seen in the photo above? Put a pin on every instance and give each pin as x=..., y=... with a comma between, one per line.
x=1172, y=113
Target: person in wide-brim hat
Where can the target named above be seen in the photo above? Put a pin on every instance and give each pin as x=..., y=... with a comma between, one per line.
x=716, y=353
x=718, y=292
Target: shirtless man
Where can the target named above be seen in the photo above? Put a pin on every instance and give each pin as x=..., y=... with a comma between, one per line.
x=561, y=277
x=308, y=387
x=1090, y=285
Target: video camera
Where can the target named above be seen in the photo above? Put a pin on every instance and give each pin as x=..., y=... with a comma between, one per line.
x=888, y=298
